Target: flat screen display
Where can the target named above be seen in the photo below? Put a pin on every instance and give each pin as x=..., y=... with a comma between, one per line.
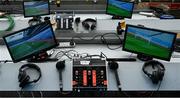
x=150, y=42
x=32, y=40
x=36, y=8
x=120, y=8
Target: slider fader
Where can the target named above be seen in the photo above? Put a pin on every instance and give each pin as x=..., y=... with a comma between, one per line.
x=89, y=75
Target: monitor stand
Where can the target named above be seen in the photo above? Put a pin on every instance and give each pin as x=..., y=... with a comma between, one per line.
x=35, y=20
x=144, y=57
x=41, y=57
x=117, y=17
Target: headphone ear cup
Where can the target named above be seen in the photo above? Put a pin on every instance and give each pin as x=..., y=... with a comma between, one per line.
x=21, y=75
x=86, y=26
x=154, y=77
x=93, y=26
x=24, y=82
x=161, y=74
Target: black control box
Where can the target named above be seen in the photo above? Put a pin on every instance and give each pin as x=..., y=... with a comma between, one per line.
x=89, y=75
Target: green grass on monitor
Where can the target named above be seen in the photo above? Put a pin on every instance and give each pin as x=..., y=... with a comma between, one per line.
x=33, y=11
x=117, y=11
x=27, y=47
x=141, y=45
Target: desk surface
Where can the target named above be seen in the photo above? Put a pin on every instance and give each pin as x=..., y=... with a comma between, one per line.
x=131, y=76
x=130, y=73
x=106, y=23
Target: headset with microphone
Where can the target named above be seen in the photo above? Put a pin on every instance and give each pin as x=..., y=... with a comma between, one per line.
x=156, y=75
x=60, y=66
x=23, y=78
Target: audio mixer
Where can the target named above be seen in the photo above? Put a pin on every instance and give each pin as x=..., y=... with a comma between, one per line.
x=89, y=75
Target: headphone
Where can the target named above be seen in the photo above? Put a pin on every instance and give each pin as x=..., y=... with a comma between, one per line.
x=86, y=24
x=157, y=75
x=24, y=78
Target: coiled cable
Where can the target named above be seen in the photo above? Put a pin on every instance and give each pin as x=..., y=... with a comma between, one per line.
x=11, y=23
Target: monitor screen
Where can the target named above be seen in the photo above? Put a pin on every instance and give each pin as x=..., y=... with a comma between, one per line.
x=149, y=42
x=120, y=8
x=30, y=41
x=34, y=8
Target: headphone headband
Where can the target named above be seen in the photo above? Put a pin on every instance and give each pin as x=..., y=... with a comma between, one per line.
x=90, y=20
x=153, y=63
x=34, y=66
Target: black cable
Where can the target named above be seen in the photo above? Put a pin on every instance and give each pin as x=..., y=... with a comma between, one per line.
x=19, y=94
x=102, y=54
x=159, y=85
x=85, y=39
x=5, y=61
x=69, y=55
x=156, y=90
x=65, y=53
x=103, y=39
x=80, y=55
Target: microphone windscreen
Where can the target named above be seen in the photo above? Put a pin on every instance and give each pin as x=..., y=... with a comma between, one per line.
x=113, y=65
x=60, y=65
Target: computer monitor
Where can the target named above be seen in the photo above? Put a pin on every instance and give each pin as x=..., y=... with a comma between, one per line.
x=148, y=42
x=35, y=8
x=31, y=41
x=119, y=8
